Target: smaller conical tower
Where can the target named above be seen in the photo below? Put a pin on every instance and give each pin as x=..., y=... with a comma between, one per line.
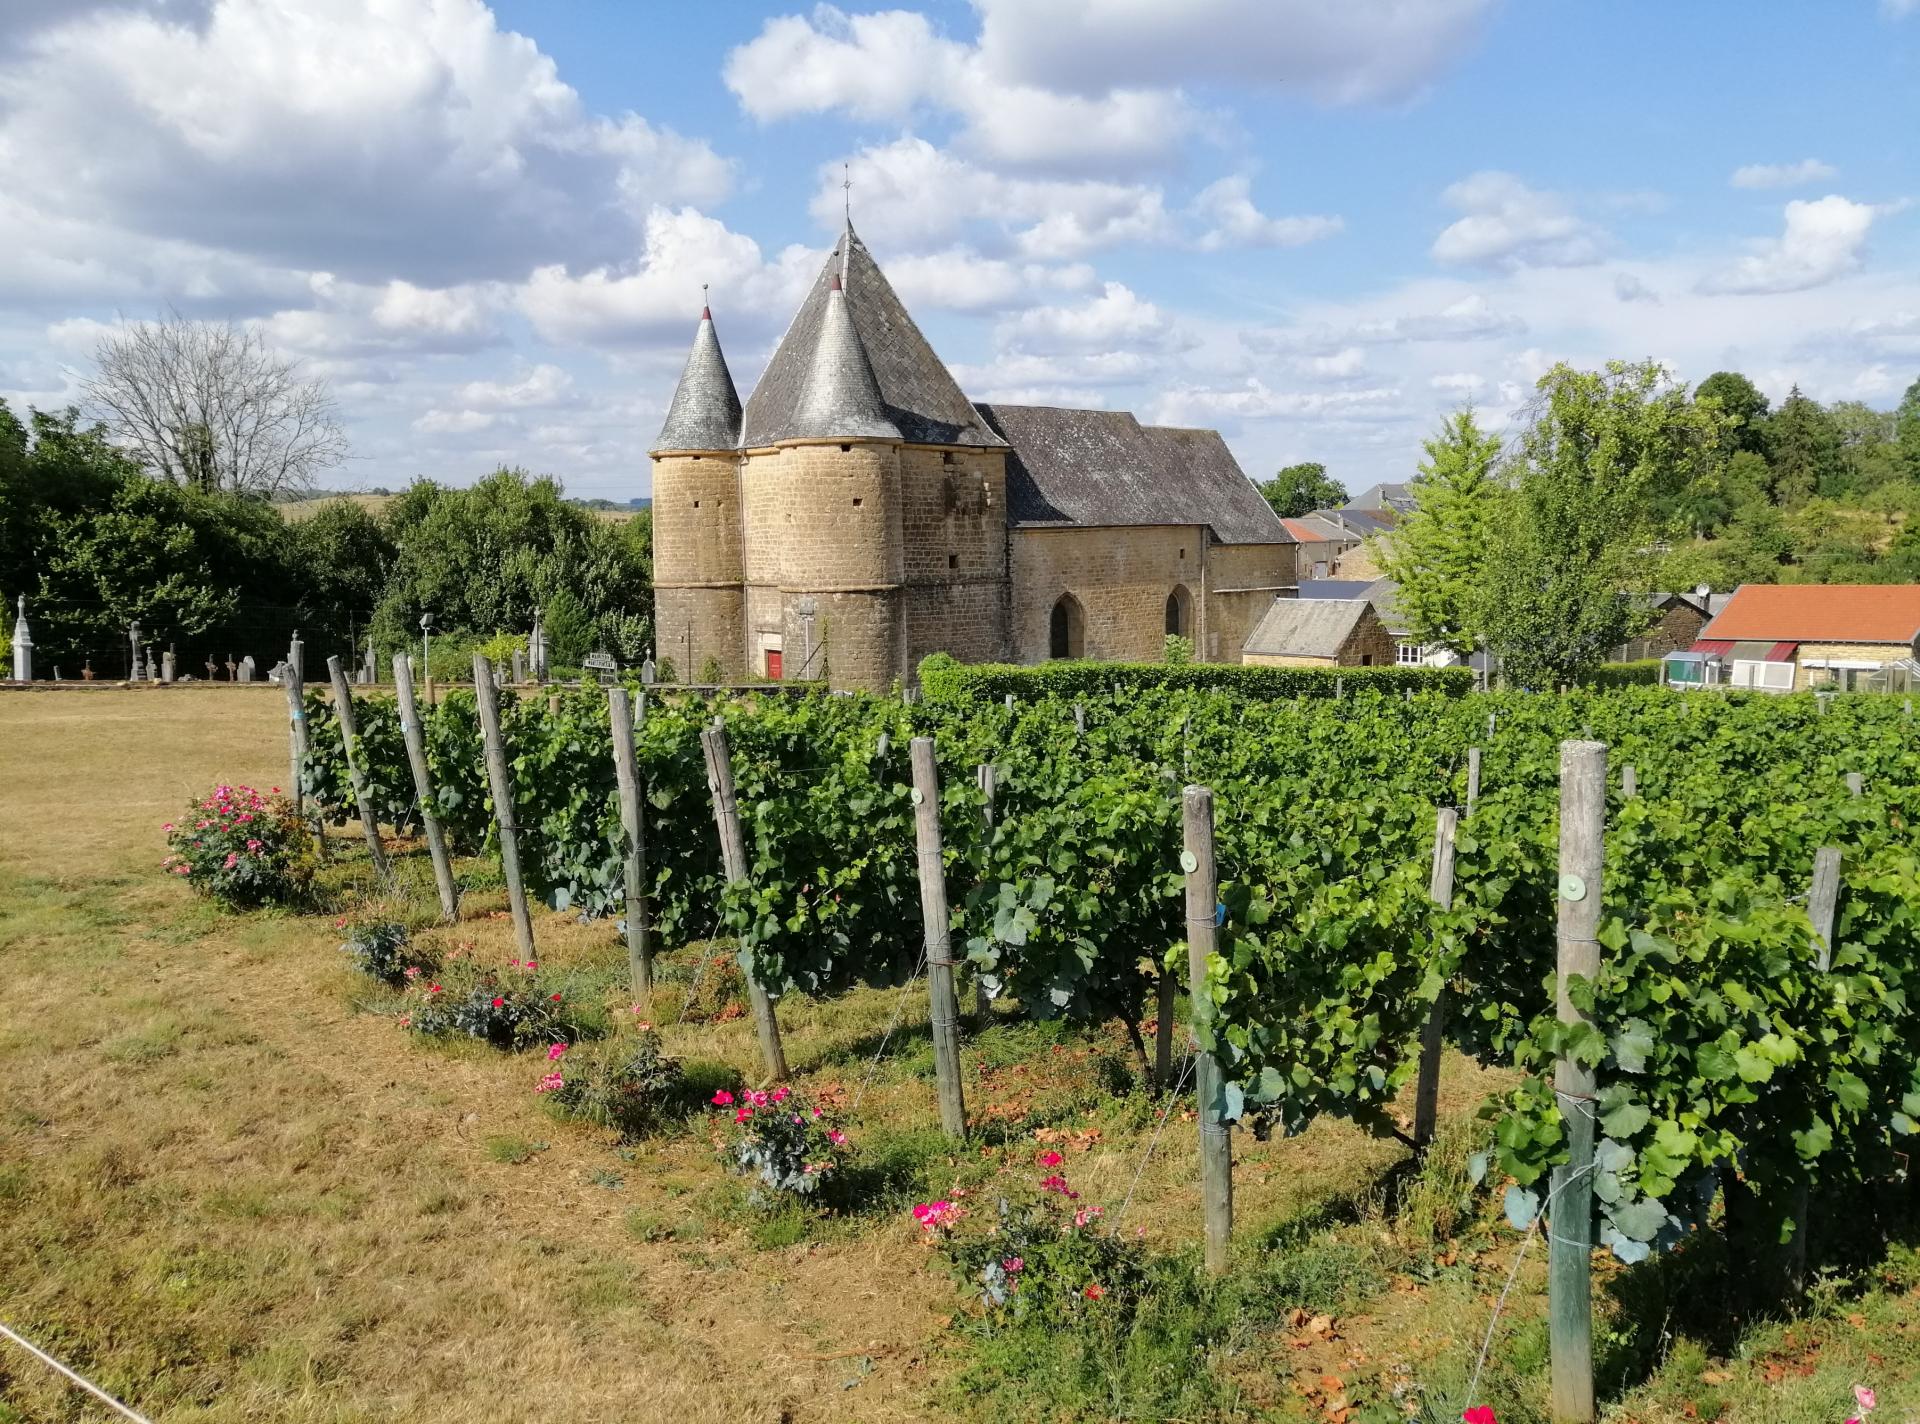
x=699, y=610
x=840, y=397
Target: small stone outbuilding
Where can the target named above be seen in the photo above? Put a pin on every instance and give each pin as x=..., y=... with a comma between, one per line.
x=1320, y=632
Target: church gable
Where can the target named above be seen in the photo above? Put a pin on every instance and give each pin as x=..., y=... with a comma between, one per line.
x=1103, y=468
x=919, y=394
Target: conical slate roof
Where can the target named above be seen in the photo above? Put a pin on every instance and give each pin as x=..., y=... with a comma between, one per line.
x=705, y=414
x=918, y=395
x=840, y=397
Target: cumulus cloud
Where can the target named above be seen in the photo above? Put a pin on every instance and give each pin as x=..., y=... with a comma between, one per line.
x=659, y=294
x=541, y=386
x=1458, y=383
x=372, y=138
x=1505, y=223
x=1116, y=316
x=1255, y=400
x=342, y=320
x=1469, y=318
x=1822, y=240
x=1782, y=175
x=1226, y=208
x=1629, y=288
x=959, y=279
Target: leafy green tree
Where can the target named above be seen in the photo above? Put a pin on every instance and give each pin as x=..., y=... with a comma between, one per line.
x=1744, y=407
x=1438, y=553
x=340, y=557
x=1301, y=489
x=1907, y=430
x=1602, y=449
x=1804, y=451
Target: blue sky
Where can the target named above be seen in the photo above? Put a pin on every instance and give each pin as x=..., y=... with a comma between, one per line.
x=1315, y=224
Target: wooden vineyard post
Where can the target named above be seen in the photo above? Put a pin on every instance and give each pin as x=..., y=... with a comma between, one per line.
x=1426, y=1099
x=296, y=738
x=733, y=855
x=369, y=818
x=1856, y=784
x=1629, y=781
x=500, y=782
x=1583, y=815
x=626, y=768
x=1080, y=718
x=1339, y=688
x=423, y=788
x=943, y=1008
x=1493, y=720
x=1823, y=900
x=988, y=775
x=1473, y=777
x=1216, y=1160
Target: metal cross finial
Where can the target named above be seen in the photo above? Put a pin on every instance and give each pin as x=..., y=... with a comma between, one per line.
x=846, y=191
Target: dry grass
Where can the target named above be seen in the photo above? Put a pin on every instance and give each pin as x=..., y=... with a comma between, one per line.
x=233, y=1189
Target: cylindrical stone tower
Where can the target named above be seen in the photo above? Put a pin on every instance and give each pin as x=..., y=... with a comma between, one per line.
x=699, y=599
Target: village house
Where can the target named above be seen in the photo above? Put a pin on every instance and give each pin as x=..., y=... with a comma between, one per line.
x=1320, y=632
x=859, y=513
x=1790, y=637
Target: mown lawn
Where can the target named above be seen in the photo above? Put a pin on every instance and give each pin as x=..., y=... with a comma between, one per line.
x=232, y=1188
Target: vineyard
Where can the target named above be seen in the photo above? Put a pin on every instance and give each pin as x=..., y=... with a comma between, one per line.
x=1741, y=1059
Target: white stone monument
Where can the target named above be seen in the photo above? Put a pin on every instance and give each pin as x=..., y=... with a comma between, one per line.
x=22, y=645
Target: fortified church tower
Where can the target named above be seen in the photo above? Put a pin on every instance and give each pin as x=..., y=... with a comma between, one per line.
x=845, y=523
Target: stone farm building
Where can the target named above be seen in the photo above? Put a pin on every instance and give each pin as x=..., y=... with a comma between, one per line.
x=860, y=512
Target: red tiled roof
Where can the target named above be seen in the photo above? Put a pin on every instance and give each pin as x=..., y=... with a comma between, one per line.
x=1819, y=613
x=1305, y=532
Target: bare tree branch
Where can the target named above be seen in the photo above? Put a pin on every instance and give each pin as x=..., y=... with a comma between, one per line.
x=208, y=404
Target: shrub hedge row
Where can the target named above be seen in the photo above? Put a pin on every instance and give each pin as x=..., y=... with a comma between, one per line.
x=942, y=679
x=1640, y=674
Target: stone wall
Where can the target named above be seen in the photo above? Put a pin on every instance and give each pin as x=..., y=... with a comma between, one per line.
x=1675, y=632
x=692, y=625
x=696, y=520
x=823, y=516
x=861, y=633
x=1121, y=576
x=1242, y=582
x=1368, y=645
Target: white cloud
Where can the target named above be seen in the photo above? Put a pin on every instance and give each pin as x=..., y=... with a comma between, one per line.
x=1254, y=400
x=1459, y=383
x=1899, y=9
x=959, y=279
x=1073, y=370
x=1346, y=52
x=1782, y=175
x=1507, y=224
x=1342, y=365
x=1114, y=317
x=1629, y=288
x=453, y=422
x=1232, y=220
x=1822, y=240
x=659, y=294
x=373, y=138
x=1468, y=318
x=544, y=385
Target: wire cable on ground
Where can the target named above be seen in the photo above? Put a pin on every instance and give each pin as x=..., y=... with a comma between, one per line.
x=81, y=1383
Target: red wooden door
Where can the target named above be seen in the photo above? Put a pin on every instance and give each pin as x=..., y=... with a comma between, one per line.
x=773, y=664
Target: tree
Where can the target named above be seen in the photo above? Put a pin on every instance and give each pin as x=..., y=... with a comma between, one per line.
x=1438, y=553
x=1601, y=451
x=1744, y=407
x=1804, y=451
x=1301, y=489
x=340, y=558
x=1907, y=430
x=208, y=405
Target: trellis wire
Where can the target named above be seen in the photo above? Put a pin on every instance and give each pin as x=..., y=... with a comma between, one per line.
x=85, y=1384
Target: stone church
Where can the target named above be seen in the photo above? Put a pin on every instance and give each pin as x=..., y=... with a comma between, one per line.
x=860, y=513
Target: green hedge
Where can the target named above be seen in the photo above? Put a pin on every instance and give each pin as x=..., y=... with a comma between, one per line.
x=1640, y=674
x=942, y=679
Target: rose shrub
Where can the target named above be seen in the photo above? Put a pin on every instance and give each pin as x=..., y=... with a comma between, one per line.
x=626, y=1084
x=242, y=847
x=379, y=949
x=1040, y=1251
x=785, y=1147
x=512, y=1007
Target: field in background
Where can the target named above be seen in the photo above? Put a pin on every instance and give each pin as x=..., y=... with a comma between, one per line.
x=298, y=509
x=233, y=1191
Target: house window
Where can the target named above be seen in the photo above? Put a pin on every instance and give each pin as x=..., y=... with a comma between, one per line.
x=953, y=561
x=1410, y=654
x=1179, y=612
x=856, y=501
x=1066, y=629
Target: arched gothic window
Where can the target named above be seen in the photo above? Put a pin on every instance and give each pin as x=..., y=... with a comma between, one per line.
x=1179, y=612
x=1066, y=629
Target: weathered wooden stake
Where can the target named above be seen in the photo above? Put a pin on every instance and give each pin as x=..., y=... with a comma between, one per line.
x=423, y=787
x=500, y=781
x=1823, y=900
x=626, y=767
x=943, y=1006
x=1629, y=781
x=1216, y=1159
x=1492, y=721
x=296, y=738
x=1339, y=688
x=733, y=855
x=369, y=818
x=1080, y=718
x=1856, y=784
x=988, y=777
x=1583, y=817
x=1426, y=1098
x=1473, y=777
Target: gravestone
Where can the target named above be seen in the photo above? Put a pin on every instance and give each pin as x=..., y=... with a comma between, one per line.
x=213, y=669
x=368, y=675
x=167, y=666
x=246, y=668
x=22, y=645
x=604, y=664
x=86, y=671
x=153, y=667
x=648, y=672
x=277, y=674
x=519, y=665
x=537, y=648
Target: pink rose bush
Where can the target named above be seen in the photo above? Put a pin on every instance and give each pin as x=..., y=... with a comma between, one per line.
x=512, y=1007
x=243, y=848
x=627, y=1083
x=1039, y=1251
x=785, y=1147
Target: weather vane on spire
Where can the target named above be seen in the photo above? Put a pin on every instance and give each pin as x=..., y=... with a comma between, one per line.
x=846, y=191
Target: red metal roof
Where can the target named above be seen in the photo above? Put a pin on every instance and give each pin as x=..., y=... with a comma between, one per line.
x=1305, y=533
x=1819, y=613
x=1712, y=646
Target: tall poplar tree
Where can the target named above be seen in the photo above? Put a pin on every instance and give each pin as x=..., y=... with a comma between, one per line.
x=1438, y=553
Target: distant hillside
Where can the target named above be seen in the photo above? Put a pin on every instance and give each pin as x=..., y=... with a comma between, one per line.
x=297, y=509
